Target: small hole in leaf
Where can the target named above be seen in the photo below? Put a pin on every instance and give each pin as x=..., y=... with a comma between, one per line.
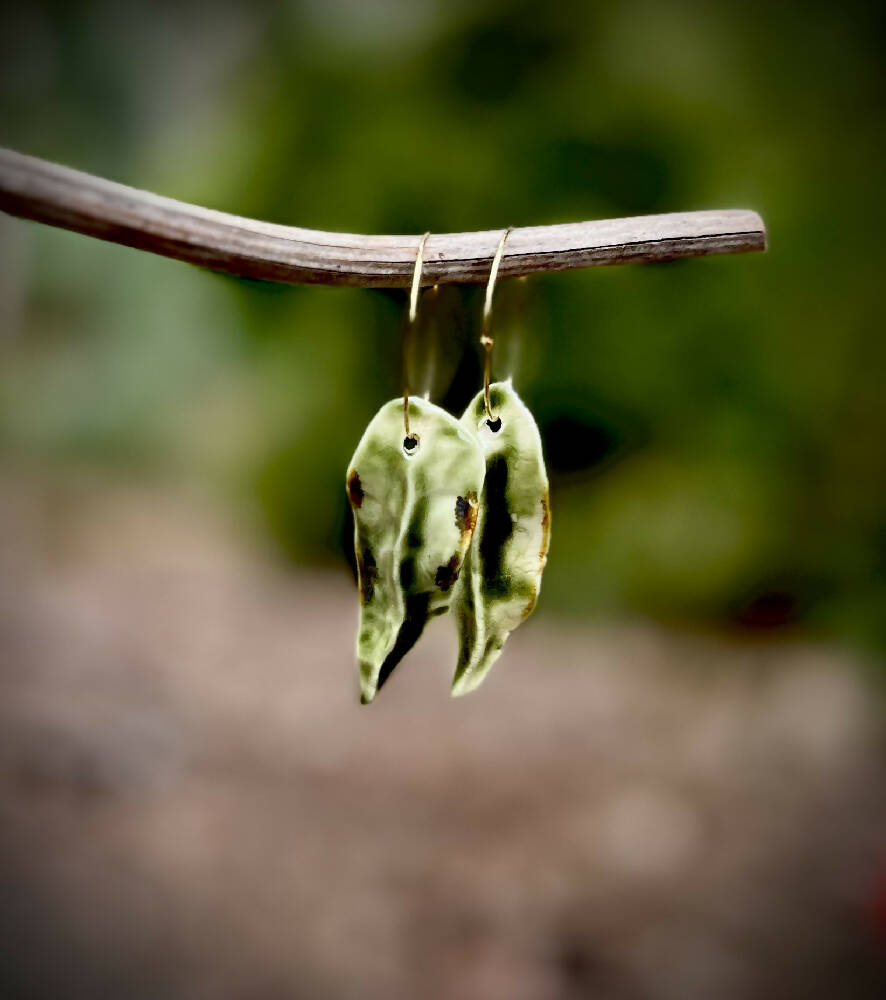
x=494, y=425
x=410, y=443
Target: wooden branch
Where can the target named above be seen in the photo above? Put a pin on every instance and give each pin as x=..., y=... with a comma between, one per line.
x=46, y=192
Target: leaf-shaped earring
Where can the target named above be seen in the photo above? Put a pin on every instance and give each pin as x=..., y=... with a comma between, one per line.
x=413, y=485
x=502, y=575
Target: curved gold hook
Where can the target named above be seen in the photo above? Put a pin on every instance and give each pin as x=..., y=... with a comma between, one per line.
x=410, y=330
x=486, y=339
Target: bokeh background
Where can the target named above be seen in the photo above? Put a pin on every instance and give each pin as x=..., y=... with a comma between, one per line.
x=673, y=783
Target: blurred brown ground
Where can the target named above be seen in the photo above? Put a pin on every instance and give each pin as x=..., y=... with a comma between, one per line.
x=194, y=805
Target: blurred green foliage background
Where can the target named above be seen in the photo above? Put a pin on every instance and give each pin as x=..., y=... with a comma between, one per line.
x=714, y=427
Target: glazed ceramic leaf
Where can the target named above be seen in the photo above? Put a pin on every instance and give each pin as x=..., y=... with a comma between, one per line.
x=414, y=514
x=502, y=575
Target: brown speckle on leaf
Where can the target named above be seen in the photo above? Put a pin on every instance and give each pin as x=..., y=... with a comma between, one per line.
x=355, y=489
x=448, y=574
x=466, y=513
x=545, y=532
x=368, y=574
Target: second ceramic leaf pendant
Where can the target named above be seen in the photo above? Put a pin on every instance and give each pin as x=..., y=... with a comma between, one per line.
x=502, y=575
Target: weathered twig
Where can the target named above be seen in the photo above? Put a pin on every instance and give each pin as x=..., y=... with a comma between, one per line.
x=46, y=192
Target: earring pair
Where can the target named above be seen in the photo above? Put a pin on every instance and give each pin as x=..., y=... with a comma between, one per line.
x=447, y=514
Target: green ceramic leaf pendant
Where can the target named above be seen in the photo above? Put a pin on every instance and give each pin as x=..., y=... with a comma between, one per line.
x=414, y=514
x=502, y=575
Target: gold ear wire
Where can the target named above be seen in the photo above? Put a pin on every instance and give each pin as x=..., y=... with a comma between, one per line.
x=410, y=330
x=486, y=339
